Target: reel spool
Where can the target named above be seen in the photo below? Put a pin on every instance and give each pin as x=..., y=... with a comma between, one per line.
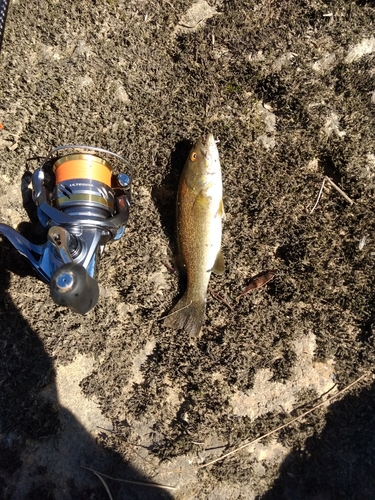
x=83, y=204
x=83, y=186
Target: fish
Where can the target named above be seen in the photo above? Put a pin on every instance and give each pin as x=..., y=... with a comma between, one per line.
x=200, y=213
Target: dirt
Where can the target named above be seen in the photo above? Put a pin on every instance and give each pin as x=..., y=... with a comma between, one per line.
x=288, y=88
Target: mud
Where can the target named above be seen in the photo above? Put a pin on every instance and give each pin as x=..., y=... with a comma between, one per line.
x=289, y=90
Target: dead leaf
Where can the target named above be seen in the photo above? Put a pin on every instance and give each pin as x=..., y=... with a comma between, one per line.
x=257, y=282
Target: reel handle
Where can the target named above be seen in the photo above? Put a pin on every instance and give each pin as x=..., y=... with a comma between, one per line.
x=72, y=286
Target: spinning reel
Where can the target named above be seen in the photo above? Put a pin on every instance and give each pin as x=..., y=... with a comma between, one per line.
x=83, y=205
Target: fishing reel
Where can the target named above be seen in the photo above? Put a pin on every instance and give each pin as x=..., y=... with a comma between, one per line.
x=83, y=205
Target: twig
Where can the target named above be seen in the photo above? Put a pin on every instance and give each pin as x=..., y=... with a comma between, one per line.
x=219, y=297
x=270, y=433
x=102, y=480
x=256, y=440
x=115, y=433
x=319, y=196
x=130, y=445
x=339, y=190
x=139, y=483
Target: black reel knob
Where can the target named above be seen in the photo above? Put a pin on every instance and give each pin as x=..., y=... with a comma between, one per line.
x=72, y=286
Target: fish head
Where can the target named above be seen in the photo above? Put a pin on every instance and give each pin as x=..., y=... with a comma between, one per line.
x=203, y=164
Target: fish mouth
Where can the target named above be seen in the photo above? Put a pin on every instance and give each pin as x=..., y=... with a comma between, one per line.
x=208, y=141
x=209, y=154
x=208, y=146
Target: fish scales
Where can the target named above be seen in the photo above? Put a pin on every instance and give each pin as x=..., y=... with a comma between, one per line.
x=199, y=225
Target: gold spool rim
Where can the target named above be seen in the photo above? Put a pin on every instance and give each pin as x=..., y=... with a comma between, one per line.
x=85, y=198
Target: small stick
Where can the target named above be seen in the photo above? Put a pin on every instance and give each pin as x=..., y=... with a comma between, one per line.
x=115, y=433
x=339, y=190
x=219, y=297
x=129, y=444
x=270, y=433
x=319, y=196
x=139, y=483
x=102, y=480
x=283, y=425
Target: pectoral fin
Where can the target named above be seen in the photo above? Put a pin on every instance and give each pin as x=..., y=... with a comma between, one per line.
x=219, y=264
x=220, y=211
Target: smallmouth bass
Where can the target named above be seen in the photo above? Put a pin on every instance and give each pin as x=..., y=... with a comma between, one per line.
x=199, y=224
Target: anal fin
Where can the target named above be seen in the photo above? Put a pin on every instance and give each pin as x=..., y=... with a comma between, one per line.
x=219, y=264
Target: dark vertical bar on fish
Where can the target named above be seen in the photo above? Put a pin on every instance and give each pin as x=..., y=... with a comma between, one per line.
x=3, y=15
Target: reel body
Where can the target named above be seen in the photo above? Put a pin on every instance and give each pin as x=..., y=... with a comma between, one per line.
x=83, y=205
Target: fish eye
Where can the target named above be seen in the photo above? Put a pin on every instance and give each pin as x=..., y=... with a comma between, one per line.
x=193, y=156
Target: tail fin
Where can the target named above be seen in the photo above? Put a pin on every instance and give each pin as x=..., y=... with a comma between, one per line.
x=187, y=315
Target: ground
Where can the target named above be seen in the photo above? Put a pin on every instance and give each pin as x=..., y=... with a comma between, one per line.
x=288, y=88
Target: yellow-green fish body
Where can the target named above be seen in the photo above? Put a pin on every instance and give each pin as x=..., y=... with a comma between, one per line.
x=199, y=225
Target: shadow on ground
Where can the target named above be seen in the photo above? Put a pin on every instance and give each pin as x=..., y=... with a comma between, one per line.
x=338, y=463
x=42, y=444
x=164, y=194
